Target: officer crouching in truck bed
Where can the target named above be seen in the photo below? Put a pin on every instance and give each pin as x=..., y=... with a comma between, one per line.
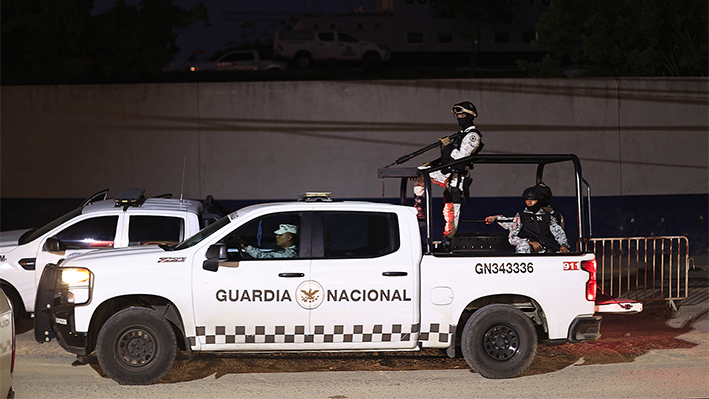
x=534, y=230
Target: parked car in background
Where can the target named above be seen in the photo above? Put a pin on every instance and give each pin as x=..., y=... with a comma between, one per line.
x=130, y=219
x=7, y=347
x=304, y=47
x=197, y=56
x=243, y=60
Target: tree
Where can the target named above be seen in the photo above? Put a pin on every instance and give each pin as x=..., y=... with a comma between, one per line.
x=469, y=16
x=623, y=38
x=60, y=42
x=41, y=40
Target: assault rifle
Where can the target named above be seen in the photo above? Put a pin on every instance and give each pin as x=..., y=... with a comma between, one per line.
x=526, y=232
x=431, y=146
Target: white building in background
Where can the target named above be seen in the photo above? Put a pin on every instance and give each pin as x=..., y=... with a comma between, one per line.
x=409, y=30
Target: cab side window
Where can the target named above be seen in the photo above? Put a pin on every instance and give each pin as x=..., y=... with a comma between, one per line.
x=260, y=235
x=326, y=36
x=145, y=230
x=360, y=234
x=98, y=232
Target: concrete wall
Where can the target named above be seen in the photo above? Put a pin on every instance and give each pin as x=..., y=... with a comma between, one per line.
x=273, y=140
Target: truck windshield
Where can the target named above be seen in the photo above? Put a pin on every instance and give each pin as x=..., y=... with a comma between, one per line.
x=34, y=234
x=202, y=234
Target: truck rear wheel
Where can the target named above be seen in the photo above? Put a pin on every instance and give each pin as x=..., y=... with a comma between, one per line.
x=303, y=60
x=499, y=341
x=136, y=346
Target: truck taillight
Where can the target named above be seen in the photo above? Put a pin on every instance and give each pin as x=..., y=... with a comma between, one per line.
x=590, y=267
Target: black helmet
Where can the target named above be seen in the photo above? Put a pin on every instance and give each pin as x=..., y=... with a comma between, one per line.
x=465, y=107
x=532, y=193
x=545, y=192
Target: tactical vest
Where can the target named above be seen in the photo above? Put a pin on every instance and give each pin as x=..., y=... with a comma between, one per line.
x=536, y=222
x=455, y=145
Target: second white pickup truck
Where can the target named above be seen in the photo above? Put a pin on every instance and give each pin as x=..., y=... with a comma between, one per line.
x=304, y=47
x=360, y=278
x=129, y=219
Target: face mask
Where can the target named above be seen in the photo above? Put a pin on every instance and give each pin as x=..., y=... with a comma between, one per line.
x=534, y=208
x=465, y=122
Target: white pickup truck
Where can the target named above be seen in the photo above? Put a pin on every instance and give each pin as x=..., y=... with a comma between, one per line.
x=362, y=278
x=98, y=224
x=303, y=47
x=242, y=60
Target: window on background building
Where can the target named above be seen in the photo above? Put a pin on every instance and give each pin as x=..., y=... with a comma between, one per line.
x=333, y=27
x=501, y=37
x=444, y=37
x=360, y=27
x=414, y=37
x=528, y=36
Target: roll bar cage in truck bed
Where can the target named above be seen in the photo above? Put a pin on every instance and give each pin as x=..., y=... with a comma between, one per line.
x=541, y=160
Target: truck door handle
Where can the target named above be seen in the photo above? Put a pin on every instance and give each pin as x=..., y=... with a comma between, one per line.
x=291, y=274
x=394, y=274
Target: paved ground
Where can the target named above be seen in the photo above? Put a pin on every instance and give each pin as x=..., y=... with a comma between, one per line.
x=660, y=352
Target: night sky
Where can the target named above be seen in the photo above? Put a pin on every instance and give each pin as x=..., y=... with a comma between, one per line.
x=238, y=21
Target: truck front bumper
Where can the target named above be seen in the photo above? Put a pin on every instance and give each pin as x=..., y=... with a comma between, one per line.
x=54, y=318
x=63, y=328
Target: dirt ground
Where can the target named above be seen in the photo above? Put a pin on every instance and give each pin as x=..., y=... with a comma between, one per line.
x=623, y=339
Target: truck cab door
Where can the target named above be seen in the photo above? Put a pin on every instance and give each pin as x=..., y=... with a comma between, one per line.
x=326, y=47
x=349, y=46
x=244, y=302
x=363, y=289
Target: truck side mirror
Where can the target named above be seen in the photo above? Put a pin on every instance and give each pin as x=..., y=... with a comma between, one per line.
x=215, y=254
x=53, y=244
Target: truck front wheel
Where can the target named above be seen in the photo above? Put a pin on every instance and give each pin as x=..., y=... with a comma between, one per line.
x=499, y=341
x=136, y=346
x=371, y=60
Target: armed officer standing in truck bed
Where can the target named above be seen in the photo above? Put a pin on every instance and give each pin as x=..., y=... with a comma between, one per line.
x=456, y=181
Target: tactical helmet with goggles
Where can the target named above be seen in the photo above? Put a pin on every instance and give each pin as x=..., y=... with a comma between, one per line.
x=466, y=107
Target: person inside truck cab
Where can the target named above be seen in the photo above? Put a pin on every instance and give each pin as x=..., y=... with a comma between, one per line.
x=286, y=237
x=456, y=181
x=534, y=230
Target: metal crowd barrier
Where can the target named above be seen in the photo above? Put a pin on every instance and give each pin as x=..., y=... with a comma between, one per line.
x=642, y=268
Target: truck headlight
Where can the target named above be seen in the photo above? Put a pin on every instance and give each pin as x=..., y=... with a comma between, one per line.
x=75, y=276
x=76, y=283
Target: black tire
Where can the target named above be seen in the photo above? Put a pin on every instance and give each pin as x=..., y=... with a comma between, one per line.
x=371, y=60
x=499, y=341
x=136, y=346
x=303, y=60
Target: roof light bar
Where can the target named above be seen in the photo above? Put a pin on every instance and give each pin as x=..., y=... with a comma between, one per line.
x=312, y=196
x=130, y=197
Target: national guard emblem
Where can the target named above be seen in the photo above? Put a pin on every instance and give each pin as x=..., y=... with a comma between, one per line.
x=310, y=294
